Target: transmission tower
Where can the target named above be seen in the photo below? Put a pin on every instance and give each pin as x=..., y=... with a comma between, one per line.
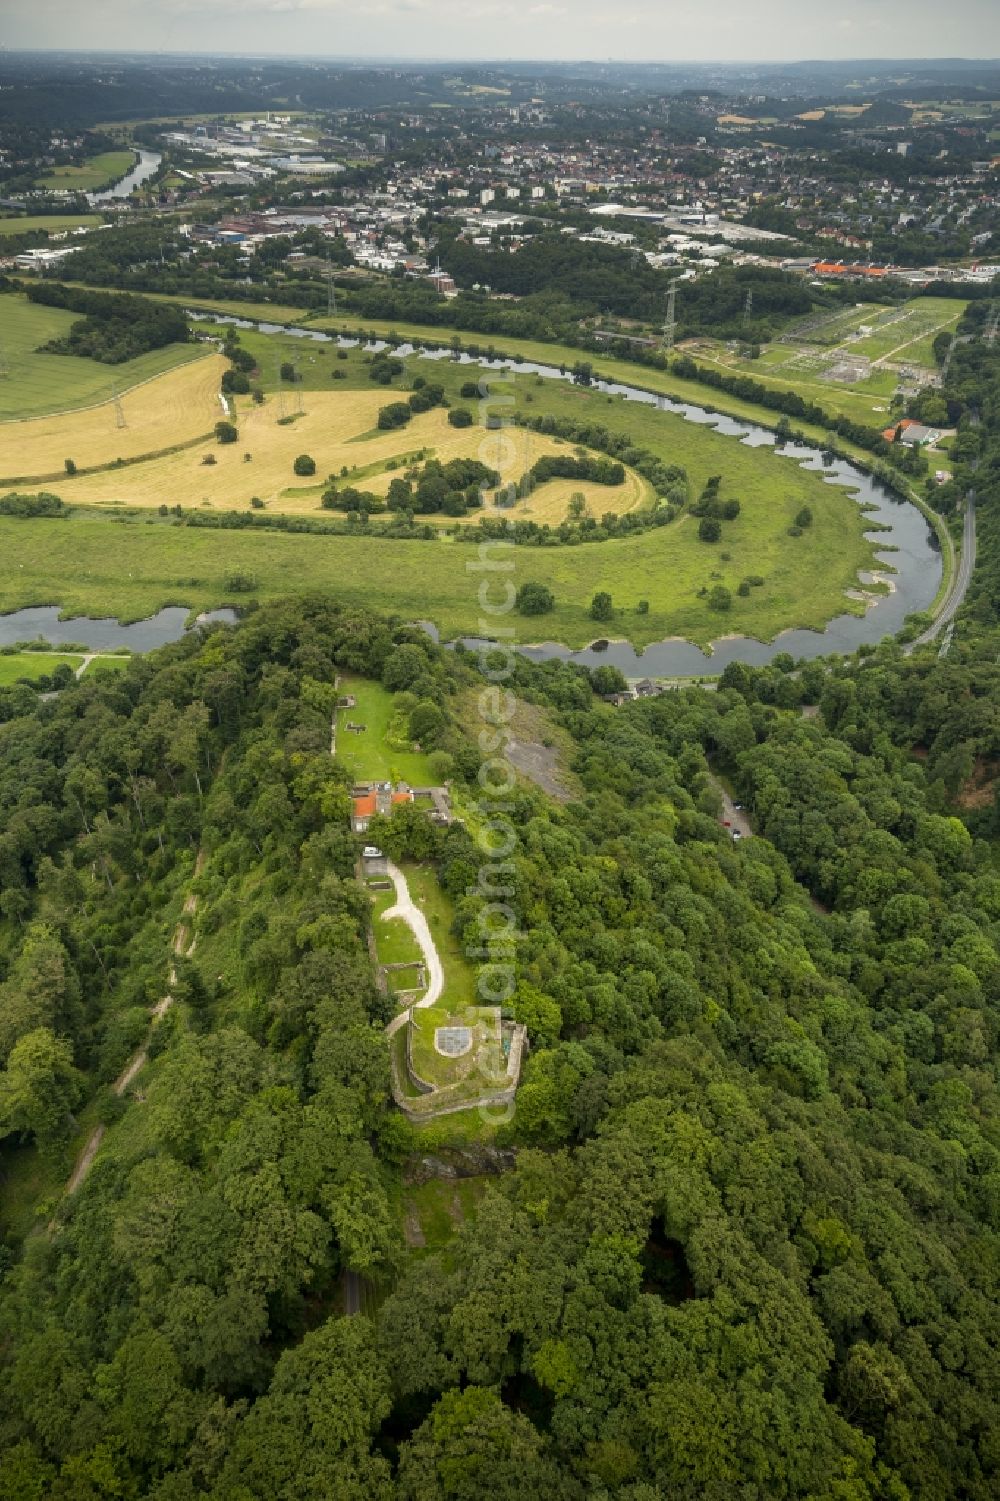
x=670, y=327
x=298, y=386
x=281, y=392
x=992, y=323
x=4, y=365
x=947, y=360
x=119, y=409
x=331, y=290
x=748, y=307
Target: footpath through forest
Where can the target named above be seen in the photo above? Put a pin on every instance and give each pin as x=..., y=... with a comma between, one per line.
x=183, y=945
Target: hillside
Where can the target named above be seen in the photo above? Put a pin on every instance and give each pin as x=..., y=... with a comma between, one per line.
x=748, y=1243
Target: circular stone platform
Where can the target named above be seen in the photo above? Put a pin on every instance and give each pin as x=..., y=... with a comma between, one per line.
x=453, y=1041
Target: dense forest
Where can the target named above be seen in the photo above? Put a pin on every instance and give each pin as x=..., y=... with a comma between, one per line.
x=114, y=328
x=749, y=1244
x=740, y=1240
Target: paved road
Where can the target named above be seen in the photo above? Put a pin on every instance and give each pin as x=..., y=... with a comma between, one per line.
x=960, y=583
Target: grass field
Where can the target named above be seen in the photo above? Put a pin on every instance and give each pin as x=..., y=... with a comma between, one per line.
x=179, y=405
x=39, y=384
x=440, y=1207
x=898, y=335
x=337, y=429
x=441, y=1070
x=136, y=568
x=376, y=755
x=549, y=354
x=908, y=336
x=23, y=224
x=436, y=905
x=394, y=937
x=133, y=570
x=30, y=665
x=96, y=172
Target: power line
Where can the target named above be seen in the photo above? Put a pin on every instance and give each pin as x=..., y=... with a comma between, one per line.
x=748, y=307
x=119, y=409
x=670, y=327
x=331, y=290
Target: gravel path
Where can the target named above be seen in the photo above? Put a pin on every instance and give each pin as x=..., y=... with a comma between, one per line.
x=407, y=909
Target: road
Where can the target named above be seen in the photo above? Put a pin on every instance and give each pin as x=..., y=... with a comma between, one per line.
x=407, y=909
x=736, y=818
x=959, y=584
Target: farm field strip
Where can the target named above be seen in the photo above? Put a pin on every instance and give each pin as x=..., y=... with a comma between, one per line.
x=328, y=431
x=179, y=405
x=39, y=385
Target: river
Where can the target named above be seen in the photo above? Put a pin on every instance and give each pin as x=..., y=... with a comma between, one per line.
x=144, y=168
x=42, y=622
x=908, y=546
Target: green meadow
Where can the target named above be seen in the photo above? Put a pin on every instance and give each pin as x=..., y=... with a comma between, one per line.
x=130, y=566
x=97, y=172
x=38, y=384
x=23, y=224
x=382, y=752
x=29, y=665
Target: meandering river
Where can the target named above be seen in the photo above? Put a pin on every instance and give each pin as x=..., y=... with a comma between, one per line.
x=909, y=546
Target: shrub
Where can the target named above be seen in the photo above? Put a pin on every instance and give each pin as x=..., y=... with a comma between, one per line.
x=304, y=464
x=42, y=504
x=804, y=517
x=744, y=588
x=209, y=458
x=241, y=583
x=642, y=608
x=469, y=391
x=226, y=432
x=460, y=417
x=730, y=510
x=256, y=503
x=69, y=465
x=396, y=414
x=534, y=599
x=709, y=529
x=601, y=606
x=287, y=371
x=720, y=598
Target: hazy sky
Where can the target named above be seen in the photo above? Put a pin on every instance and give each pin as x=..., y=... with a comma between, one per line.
x=684, y=30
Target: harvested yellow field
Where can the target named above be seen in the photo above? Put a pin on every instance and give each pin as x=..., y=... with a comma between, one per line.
x=173, y=408
x=337, y=429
